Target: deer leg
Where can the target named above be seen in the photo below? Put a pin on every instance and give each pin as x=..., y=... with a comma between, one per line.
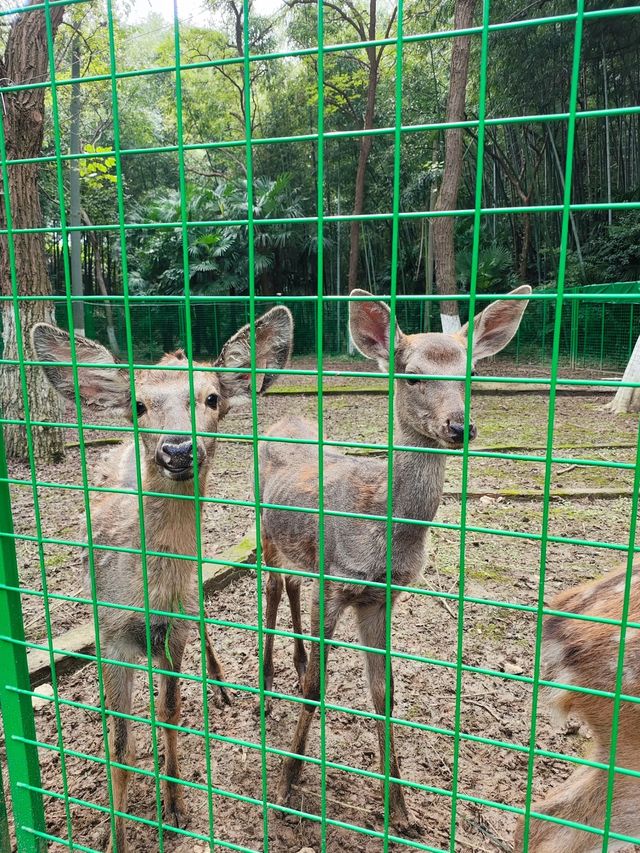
x=371, y=622
x=299, y=652
x=311, y=690
x=118, y=687
x=168, y=711
x=214, y=668
x=274, y=594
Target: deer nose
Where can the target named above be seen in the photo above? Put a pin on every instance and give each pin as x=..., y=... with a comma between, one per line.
x=455, y=431
x=177, y=454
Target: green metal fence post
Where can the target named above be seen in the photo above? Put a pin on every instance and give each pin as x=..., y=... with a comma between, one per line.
x=5, y=841
x=17, y=711
x=575, y=307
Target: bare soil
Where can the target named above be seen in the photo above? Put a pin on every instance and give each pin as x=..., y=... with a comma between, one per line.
x=499, y=570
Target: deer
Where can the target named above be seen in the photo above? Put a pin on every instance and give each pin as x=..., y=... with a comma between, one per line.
x=429, y=414
x=163, y=403
x=584, y=654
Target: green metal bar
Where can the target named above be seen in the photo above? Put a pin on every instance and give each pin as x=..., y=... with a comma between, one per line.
x=475, y=255
x=413, y=844
x=78, y=408
x=370, y=774
x=624, y=626
x=389, y=557
x=346, y=217
x=38, y=7
x=192, y=404
x=522, y=23
x=467, y=124
x=5, y=840
x=17, y=712
x=557, y=329
x=251, y=238
x=132, y=388
x=536, y=296
x=320, y=202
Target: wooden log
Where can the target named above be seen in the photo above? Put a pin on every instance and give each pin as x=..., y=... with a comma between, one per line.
x=81, y=639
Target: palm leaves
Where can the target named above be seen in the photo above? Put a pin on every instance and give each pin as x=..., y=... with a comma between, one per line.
x=218, y=242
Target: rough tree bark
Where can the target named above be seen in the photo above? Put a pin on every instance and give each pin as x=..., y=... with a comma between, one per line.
x=443, y=227
x=26, y=60
x=374, y=55
x=628, y=399
x=365, y=149
x=365, y=31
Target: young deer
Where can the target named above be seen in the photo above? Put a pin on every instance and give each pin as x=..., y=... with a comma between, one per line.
x=163, y=403
x=427, y=414
x=585, y=654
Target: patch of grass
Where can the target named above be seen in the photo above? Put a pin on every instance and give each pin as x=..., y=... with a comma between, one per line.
x=489, y=573
x=487, y=630
x=54, y=561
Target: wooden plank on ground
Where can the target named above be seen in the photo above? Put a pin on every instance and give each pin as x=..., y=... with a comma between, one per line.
x=80, y=640
x=479, y=387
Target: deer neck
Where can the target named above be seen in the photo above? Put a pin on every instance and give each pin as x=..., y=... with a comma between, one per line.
x=418, y=478
x=170, y=522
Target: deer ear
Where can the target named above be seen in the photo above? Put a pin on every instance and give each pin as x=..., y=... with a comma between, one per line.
x=494, y=327
x=370, y=326
x=104, y=387
x=273, y=344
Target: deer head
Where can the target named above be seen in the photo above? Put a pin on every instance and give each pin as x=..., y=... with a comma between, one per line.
x=433, y=409
x=162, y=395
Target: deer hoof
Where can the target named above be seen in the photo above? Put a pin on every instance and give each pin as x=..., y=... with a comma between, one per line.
x=284, y=785
x=221, y=697
x=175, y=810
x=405, y=822
x=121, y=845
x=268, y=707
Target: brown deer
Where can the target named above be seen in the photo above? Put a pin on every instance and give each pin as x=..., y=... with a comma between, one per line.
x=428, y=414
x=585, y=654
x=163, y=403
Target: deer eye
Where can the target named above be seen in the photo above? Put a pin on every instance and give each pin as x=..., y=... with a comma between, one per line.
x=412, y=381
x=212, y=401
x=140, y=408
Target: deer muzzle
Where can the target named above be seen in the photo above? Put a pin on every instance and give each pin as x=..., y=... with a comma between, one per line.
x=174, y=456
x=454, y=429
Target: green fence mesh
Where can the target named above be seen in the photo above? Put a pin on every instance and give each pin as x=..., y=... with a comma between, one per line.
x=62, y=757
x=596, y=332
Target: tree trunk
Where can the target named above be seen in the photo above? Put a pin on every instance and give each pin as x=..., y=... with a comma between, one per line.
x=526, y=242
x=363, y=158
x=94, y=241
x=443, y=227
x=429, y=260
x=26, y=60
x=628, y=399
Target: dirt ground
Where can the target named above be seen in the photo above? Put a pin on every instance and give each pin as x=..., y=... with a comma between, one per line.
x=498, y=569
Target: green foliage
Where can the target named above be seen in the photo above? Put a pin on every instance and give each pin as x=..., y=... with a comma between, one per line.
x=218, y=254
x=97, y=172
x=494, y=264
x=528, y=74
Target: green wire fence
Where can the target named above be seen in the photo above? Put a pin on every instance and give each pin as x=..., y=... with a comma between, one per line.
x=596, y=333
x=563, y=326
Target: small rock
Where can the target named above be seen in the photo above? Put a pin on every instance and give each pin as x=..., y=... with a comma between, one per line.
x=36, y=701
x=306, y=850
x=486, y=500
